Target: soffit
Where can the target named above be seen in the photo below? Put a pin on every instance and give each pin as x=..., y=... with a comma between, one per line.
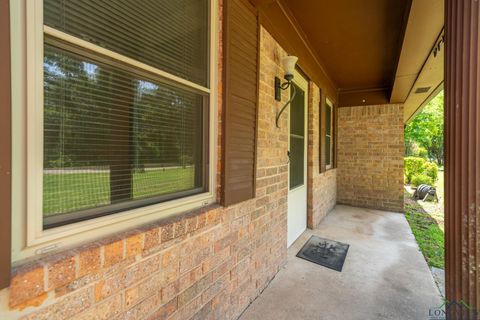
x=424, y=25
x=358, y=42
x=428, y=83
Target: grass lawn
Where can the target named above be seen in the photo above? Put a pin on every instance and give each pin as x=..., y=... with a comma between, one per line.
x=69, y=192
x=435, y=209
x=427, y=224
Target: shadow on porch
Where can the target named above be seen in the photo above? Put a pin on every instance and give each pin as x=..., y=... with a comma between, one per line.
x=384, y=277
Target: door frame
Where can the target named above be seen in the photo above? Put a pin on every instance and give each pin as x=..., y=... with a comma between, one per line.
x=301, y=81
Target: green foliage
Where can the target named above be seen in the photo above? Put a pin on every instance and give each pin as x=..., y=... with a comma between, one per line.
x=422, y=153
x=413, y=166
x=418, y=171
x=422, y=178
x=426, y=131
x=429, y=236
x=414, y=150
x=87, y=108
x=62, y=160
x=431, y=170
x=186, y=160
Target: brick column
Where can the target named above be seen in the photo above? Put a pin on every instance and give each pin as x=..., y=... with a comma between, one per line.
x=462, y=155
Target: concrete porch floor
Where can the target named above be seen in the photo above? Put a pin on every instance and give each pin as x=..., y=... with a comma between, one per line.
x=384, y=276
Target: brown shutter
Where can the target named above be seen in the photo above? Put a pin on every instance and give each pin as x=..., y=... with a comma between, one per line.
x=322, y=131
x=241, y=38
x=5, y=146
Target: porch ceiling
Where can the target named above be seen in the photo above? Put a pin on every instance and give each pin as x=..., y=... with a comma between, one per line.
x=365, y=52
x=358, y=42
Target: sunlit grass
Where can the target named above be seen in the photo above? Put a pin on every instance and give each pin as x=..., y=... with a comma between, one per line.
x=427, y=232
x=69, y=192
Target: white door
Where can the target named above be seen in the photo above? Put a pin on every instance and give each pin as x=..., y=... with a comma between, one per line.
x=297, y=169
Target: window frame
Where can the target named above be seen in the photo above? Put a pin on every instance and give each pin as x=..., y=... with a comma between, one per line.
x=27, y=36
x=329, y=104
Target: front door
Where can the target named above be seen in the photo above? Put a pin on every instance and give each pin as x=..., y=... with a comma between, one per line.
x=297, y=195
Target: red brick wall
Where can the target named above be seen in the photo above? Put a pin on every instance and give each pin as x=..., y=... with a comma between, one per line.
x=210, y=263
x=370, y=156
x=206, y=264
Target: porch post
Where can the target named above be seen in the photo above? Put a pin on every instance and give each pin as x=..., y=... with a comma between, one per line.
x=462, y=154
x=5, y=146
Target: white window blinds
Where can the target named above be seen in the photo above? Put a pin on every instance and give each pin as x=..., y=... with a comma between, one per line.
x=169, y=35
x=115, y=136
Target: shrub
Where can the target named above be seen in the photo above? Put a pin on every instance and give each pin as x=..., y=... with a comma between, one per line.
x=422, y=153
x=422, y=178
x=414, y=150
x=413, y=166
x=431, y=170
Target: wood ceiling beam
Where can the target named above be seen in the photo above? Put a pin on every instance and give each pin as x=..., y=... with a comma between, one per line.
x=363, y=97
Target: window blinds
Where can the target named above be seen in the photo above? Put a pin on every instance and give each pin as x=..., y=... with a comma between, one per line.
x=169, y=35
x=116, y=137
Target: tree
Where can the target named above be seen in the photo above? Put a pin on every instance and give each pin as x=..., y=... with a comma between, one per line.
x=426, y=130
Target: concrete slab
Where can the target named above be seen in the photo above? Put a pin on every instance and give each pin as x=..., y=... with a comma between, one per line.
x=384, y=277
x=439, y=277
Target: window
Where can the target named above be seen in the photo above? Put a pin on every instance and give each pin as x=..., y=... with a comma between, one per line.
x=328, y=134
x=297, y=138
x=114, y=139
x=120, y=111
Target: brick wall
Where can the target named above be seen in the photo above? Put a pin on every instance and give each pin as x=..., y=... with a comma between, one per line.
x=370, y=157
x=207, y=264
x=322, y=187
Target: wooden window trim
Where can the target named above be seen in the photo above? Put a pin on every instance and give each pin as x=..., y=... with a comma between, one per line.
x=321, y=134
x=329, y=103
x=324, y=101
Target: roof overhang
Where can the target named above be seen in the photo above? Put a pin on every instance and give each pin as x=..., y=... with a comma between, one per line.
x=428, y=83
x=419, y=73
x=370, y=52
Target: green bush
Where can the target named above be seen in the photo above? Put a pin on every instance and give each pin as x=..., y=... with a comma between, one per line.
x=431, y=170
x=412, y=149
x=422, y=153
x=413, y=166
x=421, y=178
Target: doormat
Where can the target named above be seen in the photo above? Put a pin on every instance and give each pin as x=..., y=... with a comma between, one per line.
x=327, y=253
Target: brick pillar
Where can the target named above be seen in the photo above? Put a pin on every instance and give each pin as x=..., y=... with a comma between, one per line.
x=462, y=155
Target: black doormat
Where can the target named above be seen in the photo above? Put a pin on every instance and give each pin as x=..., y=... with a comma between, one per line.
x=328, y=253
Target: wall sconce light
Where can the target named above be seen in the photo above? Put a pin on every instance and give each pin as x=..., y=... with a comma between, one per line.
x=288, y=64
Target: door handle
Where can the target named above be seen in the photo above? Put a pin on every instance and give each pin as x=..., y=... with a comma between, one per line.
x=288, y=155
